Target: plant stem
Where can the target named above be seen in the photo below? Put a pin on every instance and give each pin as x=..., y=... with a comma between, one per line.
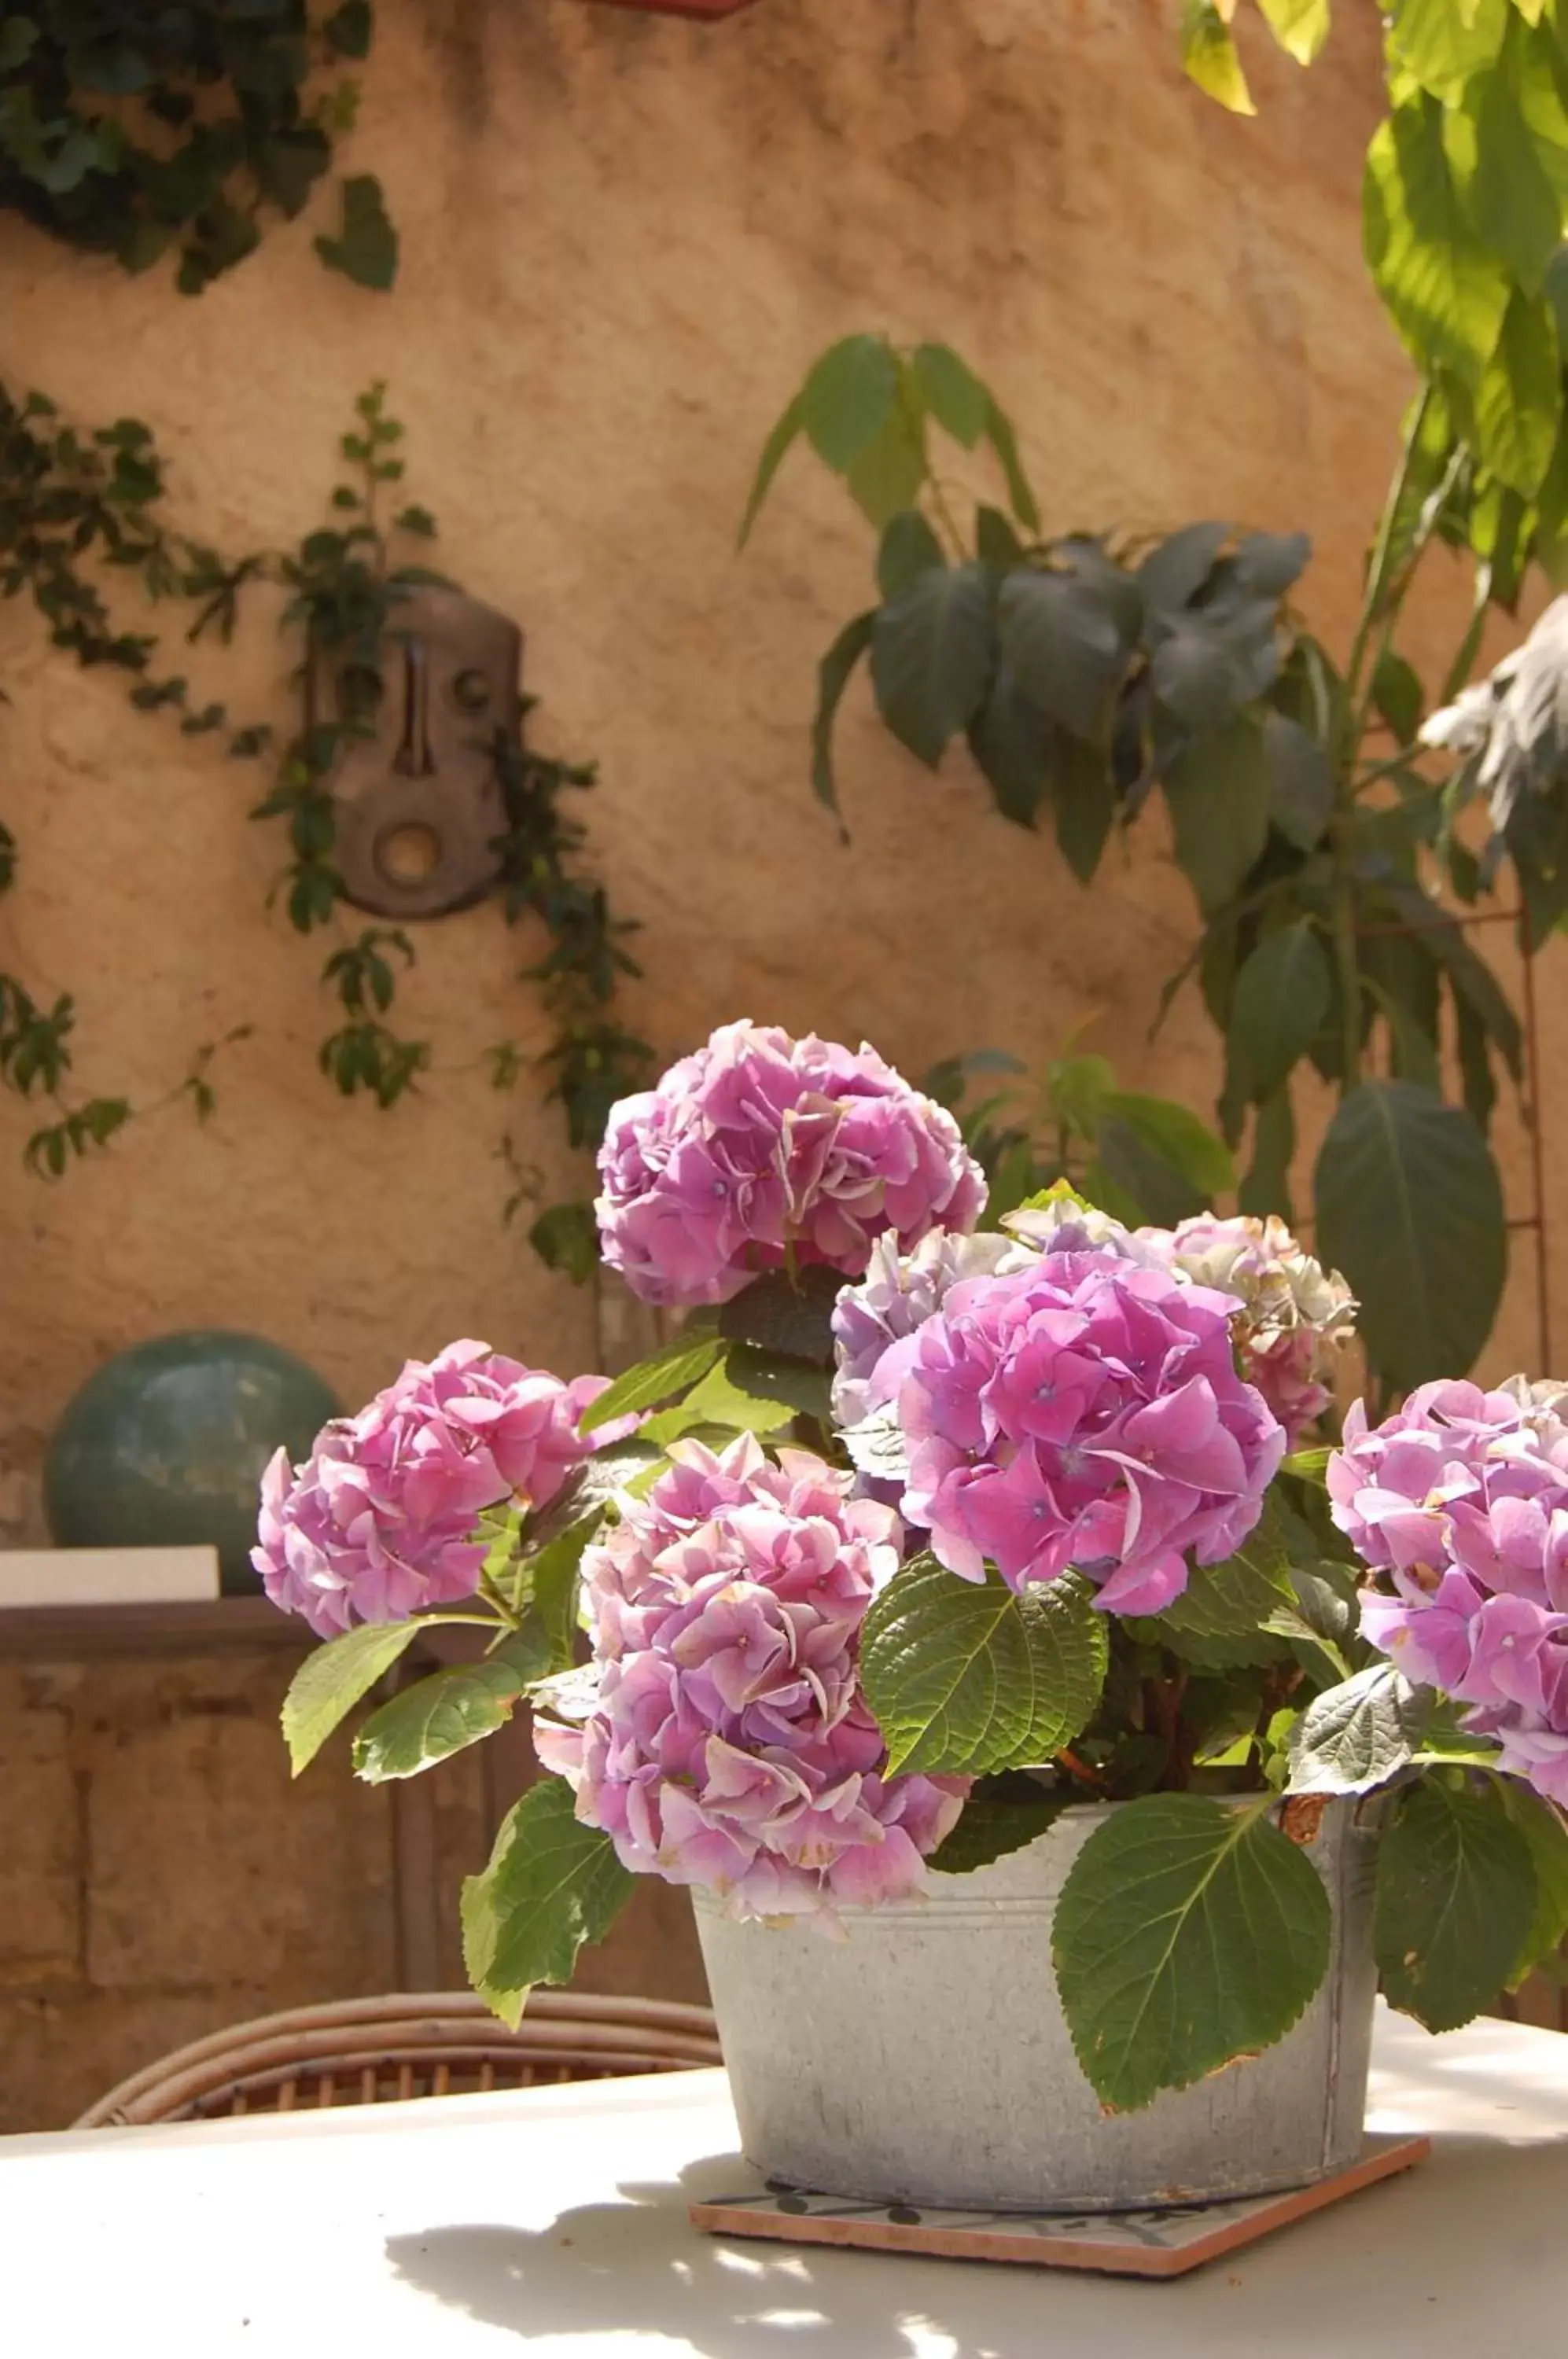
x=1372, y=602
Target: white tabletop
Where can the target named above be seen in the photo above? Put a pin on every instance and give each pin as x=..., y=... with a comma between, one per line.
x=554, y=2221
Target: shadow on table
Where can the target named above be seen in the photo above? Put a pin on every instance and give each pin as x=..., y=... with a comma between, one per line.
x=638, y=2266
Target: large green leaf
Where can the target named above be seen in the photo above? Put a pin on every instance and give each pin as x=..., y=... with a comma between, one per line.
x=1541, y=1825
x=1176, y=570
x=967, y=1676
x=551, y=1884
x=1357, y=1736
x=1218, y=792
x=1518, y=402
x=1218, y=1620
x=1003, y=442
x=1456, y=1896
x=1300, y=26
x=670, y=1370
x=1500, y=178
x=1411, y=1208
x=1195, y=675
x=1283, y=993
x=848, y=397
x=886, y=478
x=1443, y=43
x=1300, y=781
x=788, y=1315
x=1188, y=1933
x=1266, y=1185
x=741, y=1398
x=330, y=1682
x=933, y=649
x=1012, y=742
x=952, y=392
x=1003, y=1814
x=1068, y=634
x=452, y=1709
x=1082, y=802
x=833, y=675
x=1445, y=293
x=908, y=548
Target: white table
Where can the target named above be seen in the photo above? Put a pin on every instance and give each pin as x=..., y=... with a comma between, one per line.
x=554, y=2221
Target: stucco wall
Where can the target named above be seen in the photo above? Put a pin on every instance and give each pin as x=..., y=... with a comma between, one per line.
x=623, y=240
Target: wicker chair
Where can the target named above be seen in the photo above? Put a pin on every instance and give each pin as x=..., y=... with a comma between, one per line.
x=373, y=2050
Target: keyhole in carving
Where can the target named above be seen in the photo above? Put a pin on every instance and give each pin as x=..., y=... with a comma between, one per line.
x=408, y=853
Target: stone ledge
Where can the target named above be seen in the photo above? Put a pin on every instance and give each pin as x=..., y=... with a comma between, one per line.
x=199, y=1626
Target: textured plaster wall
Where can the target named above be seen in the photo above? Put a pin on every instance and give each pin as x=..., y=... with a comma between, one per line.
x=623, y=240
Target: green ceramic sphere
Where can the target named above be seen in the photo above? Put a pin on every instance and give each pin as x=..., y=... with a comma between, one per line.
x=163, y=1447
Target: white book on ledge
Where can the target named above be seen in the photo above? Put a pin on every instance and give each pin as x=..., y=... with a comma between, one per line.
x=132, y=1576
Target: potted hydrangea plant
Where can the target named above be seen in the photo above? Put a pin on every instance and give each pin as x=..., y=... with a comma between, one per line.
x=1060, y=1745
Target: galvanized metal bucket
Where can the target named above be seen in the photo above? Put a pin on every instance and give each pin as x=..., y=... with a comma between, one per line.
x=924, y=2059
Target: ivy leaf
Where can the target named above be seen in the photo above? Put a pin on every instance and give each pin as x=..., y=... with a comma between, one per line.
x=848, y=398
x=834, y=674
x=1208, y=53
x=967, y=1676
x=1445, y=294
x=673, y=1369
x=1410, y=1207
x=1188, y=1933
x=1356, y=1735
x=781, y=436
x=1283, y=993
x=452, y=1709
x=1456, y=1900
x=551, y=1886
x=330, y=1682
x=365, y=249
x=952, y=392
x=1218, y=793
x=933, y=654
x=1003, y=1814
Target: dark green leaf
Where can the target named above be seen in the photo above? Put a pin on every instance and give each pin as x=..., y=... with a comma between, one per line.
x=1012, y=743
x=785, y=1314
x=1356, y=1735
x=1083, y=802
x=1283, y=993
x=1301, y=782
x=952, y=392
x=996, y=542
x=451, y=1710
x=1068, y=636
x=1269, y=563
x=1218, y=792
x=348, y=28
x=967, y=1676
x=1541, y=1825
x=365, y=249
x=1162, y=1155
x=833, y=675
x=1195, y=677
x=566, y=1237
x=670, y=1370
x=1003, y=1814
x=330, y=1682
x=1003, y=442
x=1411, y=1208
x=773, y=451
x=848, y=397
x=888, y=475
x=1397, y=693
x=933, y=654
x=1475, y=1064
x=1189, y=1933
x=1456, y=1896
x=551, y=1886
x=1171, y=575
x=908, y=547
x=1266, y=1187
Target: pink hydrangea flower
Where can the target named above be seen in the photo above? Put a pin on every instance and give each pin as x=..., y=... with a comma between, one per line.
x=1294, y=1314
x=760, y=1145
x=1084, y=1413
x=1460, y=1500
x=724, y=1741
x=379, y=1521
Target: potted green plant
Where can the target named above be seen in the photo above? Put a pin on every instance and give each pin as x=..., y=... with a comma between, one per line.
x=980, y=1600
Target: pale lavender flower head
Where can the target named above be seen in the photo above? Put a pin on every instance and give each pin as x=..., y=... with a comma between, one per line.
x=1295, y=1315
x=379, y=1521
x=1084, y=1413
x=1460, y=1501
x=760, y=1147
x=723, y=1741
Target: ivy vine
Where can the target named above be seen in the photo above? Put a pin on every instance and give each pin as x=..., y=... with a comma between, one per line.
x=137, y=131
x=78, y=510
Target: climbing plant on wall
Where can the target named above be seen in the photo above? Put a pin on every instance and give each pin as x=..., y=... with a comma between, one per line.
x=136, y=132
x=1085, y=674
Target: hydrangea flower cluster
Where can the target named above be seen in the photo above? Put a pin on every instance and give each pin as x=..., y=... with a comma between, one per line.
x=760, y=1147
x=378, y=1522
x=724, y=1741
x=1461, y=1500
x=1293, y=1314
x=1084, y=1412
